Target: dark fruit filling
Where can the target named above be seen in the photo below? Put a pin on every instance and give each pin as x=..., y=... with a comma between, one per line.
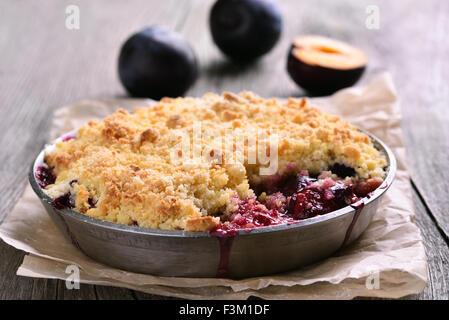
x=67, y=138
x=65, y=201
x=71, y=183
x=292, y=198
x=313, y=201
x=92, y=202
x=342, y=170
x=287, y=185
x=364, y=188
x=252, y=214
x=45, y=176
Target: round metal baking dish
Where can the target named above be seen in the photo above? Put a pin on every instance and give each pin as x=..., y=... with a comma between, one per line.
x=261, y=251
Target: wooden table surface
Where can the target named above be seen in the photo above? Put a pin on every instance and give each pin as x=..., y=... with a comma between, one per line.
x=44, y=66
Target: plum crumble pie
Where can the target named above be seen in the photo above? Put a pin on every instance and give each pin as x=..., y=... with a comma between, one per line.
x=127, y=169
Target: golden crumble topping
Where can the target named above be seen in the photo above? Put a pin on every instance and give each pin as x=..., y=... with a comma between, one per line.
x=177, y=164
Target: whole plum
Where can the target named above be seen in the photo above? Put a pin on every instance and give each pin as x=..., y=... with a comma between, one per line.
x=245, y=29
x=157, y=62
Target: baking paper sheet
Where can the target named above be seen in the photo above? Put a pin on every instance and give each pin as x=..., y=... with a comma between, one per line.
x=388, y=260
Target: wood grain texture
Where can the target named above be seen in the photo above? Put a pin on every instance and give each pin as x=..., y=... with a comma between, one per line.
x=437, y=253
x=44, y=66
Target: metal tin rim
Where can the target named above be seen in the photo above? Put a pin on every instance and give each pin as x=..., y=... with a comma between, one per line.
x=391, y=171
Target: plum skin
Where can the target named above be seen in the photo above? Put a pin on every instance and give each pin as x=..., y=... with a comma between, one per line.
x=245, y=29
x=321, y=80
x=157, y=62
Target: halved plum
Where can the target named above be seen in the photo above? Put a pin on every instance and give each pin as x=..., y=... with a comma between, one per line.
x=322, y=65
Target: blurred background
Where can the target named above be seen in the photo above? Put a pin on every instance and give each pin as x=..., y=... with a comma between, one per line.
x=57, y=66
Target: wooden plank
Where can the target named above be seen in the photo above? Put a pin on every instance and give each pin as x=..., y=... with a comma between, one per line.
x=12, y=287
x=110, y=293
x=145, y=296
x=44, y=289
x=85, y=292
x=425, y=92
x=437, y=252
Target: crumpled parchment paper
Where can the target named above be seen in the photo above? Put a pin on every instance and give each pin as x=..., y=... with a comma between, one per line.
x=388, y=260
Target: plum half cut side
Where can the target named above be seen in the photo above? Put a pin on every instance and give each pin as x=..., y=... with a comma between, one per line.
x=322, y=65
